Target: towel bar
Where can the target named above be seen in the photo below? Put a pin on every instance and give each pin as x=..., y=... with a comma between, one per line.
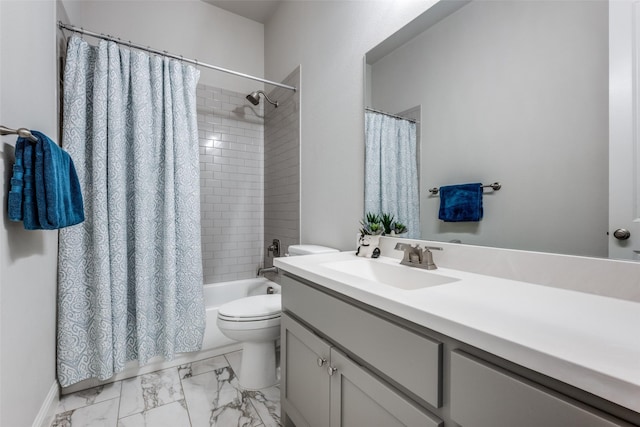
x=495, y=187
x=23, y=132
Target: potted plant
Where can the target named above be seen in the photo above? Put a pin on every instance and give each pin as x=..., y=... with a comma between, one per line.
x=371, y=225
x=386, y=219
x=398, y=229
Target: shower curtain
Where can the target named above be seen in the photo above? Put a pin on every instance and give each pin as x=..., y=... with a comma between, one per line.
x=391, y=170
x=130, y=276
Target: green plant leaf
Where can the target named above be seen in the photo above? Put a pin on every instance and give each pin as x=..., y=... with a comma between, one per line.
x=399, y=228
x=372, y=218
x=387, y=221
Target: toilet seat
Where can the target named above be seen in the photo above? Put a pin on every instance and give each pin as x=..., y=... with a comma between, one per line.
x=248, y=325
x=252, y=309
x=247, y=319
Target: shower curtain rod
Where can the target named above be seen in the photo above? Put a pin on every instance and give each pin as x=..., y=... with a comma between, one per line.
x=391, y=115
x=170, y=55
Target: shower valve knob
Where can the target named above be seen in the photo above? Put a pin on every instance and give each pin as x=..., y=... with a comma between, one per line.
x=274, y=248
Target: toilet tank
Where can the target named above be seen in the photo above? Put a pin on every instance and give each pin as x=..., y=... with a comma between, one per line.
x=295, y=250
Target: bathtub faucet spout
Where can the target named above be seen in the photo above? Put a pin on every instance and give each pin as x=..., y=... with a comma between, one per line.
x=261, y=271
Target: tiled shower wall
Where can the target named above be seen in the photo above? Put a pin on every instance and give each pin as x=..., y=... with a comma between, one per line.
x=282, y=168
x=231, y=184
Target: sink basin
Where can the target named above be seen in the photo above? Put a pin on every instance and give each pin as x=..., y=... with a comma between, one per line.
x=397, y=276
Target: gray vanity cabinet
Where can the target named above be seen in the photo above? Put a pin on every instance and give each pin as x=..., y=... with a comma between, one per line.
x=411, y=362
x=484, y=395
x=322, y=387
x=346, y=364
x=359, y=399
x=304, y=360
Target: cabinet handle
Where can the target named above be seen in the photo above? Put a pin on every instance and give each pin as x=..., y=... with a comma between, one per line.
x=321, y=361
x=331, y=370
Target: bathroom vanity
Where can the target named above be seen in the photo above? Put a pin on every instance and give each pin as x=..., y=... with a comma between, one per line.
x=366, y=344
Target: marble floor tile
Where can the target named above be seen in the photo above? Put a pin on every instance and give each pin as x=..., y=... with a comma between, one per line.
x=235, y=360
x=215, y=399
x=88, y=397
x=202, y=366
x=149, y=391
x=267, y=405
x=205, y=393
x=103, y=414
x=171, y=415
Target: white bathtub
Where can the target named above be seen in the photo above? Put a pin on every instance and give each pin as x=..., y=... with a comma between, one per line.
x=213, y=344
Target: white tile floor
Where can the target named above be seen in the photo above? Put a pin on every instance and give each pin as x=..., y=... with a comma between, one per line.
x=204, y=393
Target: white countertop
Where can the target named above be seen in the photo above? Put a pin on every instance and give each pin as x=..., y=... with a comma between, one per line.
x=588, y=341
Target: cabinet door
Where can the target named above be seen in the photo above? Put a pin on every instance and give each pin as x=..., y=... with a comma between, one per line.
x=372, y=339
x=359, y=399
x=483, y=395
x=305, y=384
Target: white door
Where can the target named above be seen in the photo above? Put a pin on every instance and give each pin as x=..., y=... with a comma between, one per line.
x=624, y=141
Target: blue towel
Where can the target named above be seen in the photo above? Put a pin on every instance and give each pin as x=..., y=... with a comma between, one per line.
x=17, y=183
x=460, y=203
x=45, y=190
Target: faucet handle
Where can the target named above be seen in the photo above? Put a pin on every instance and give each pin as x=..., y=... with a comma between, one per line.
x=433, y=248
x=408, y=251
x=402, y=246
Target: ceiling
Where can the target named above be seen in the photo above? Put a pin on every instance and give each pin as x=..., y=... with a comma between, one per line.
x=257, y=10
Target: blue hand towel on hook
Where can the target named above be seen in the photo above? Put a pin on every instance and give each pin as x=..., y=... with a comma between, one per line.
x=460, y=203
x=45, y=190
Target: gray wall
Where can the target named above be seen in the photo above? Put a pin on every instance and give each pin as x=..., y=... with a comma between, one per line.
x=515, y=92
x=191, y=28
x=28, y=259
x=282, y=168
x=329, y=40
x=231, y=184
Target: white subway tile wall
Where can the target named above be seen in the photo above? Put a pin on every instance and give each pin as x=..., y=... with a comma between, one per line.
x=231, y=134
x=282, y=168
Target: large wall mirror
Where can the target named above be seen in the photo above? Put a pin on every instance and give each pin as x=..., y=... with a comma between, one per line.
x=508, y=91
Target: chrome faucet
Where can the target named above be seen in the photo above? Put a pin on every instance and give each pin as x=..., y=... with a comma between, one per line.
x=415, y=256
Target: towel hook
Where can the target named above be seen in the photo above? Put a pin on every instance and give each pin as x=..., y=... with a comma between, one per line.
x=495, y=187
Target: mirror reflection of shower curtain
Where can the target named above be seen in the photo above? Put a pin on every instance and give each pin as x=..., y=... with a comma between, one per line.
x=130, y=276
x=391, y=169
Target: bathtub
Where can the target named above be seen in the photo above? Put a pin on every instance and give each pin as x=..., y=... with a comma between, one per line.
x=213, y=344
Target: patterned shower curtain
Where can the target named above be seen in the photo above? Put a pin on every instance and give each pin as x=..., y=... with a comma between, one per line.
x=130, y=276
x=391, y=170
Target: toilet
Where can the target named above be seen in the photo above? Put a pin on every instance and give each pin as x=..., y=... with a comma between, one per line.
x=255, y=322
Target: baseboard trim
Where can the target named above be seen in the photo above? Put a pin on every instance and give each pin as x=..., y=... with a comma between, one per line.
x=47, y=410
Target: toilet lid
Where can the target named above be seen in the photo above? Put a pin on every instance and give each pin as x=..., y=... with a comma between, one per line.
x=255, y=307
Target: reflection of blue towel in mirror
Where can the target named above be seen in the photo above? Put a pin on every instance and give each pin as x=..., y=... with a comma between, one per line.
x=460, y=203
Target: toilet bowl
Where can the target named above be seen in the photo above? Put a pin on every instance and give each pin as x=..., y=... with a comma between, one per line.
x=255, y=322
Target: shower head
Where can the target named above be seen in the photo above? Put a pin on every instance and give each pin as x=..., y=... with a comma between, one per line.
x=254, y=98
